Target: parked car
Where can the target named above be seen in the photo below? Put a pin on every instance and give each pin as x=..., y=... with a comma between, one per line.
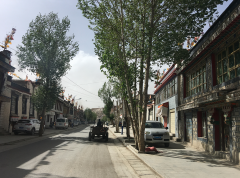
x=61, y=123
x=75, y=123
x=156, y=133
x=29, y=126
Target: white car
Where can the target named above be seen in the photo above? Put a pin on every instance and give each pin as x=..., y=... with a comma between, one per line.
x=156, y=133
x=61, y=123
x=27, y=126
x=75, y=123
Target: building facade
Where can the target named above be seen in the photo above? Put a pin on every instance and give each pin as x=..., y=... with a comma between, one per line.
x=166, y=101
x=20, y=105
x=209, y=104
x=5, y=97
x=55, y=113
x=150, y=108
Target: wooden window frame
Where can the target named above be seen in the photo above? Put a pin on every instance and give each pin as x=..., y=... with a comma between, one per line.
x=14, y=97
x=196, y=81
x=31, y=108
x=24, y=105
x=227, y=75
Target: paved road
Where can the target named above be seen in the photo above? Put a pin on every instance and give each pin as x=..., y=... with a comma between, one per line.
x=60, y=156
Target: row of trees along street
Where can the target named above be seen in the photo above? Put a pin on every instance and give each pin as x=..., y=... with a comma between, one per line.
x=131, y=36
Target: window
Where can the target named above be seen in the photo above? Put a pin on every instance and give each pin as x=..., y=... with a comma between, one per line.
x=196, y=82
x=14, y=104
x=228, y=63
x=1, y=80
x=71, y=110
x=173, y=87
x=31, y=109
x=24, y=105
x=168, y=91
x=153, y=125
x=23, y=121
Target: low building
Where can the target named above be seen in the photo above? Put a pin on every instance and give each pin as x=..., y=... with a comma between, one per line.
x=20, y=105
x=5, y=96
x=166, y=101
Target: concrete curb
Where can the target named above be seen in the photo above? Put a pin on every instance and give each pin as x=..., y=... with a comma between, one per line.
x=135, y=152
x=30, y=138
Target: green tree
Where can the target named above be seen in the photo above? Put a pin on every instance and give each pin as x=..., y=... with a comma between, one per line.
x=105, y=93
x=148, y=31
x=47, y=51
x=89, y=115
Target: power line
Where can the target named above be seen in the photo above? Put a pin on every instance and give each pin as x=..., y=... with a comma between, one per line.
x=80, y=87
x=91, y=83
x=71, y=80
x=79, y=92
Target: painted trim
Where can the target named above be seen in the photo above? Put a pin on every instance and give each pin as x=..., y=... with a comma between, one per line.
x=165, y=82
x=165, y=74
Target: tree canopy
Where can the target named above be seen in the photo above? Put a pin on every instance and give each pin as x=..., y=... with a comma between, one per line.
x=46, y=51
x=133, y=35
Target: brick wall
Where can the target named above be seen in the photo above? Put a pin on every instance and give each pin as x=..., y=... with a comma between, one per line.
x=210, y=134
x=235, y=135
x=194, y=124
x=181, y=126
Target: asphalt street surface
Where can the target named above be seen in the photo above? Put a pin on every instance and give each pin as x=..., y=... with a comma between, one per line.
x=68, y=154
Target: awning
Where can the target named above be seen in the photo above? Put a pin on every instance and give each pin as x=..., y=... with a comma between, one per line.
x=163, y=110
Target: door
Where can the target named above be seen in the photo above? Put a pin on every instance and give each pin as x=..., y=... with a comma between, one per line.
x=188, y=127
x=172, y=121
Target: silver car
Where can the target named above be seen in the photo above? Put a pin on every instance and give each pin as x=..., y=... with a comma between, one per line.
x=156, y=133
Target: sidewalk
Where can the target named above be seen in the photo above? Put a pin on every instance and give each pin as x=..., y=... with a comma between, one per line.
x=9, y=139
x=181, y=161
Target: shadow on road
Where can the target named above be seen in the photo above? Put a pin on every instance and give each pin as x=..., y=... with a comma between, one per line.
x=13, y=160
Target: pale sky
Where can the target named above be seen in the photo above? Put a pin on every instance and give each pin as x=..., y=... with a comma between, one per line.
x=85, y=71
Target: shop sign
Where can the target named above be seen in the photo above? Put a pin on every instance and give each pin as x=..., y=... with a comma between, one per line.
x=14, y=118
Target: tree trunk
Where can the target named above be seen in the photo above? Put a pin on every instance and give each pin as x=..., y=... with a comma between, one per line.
x=126, y=119
x=147, y=68
x=41, y=130
x=117, y=122
x=126, y=72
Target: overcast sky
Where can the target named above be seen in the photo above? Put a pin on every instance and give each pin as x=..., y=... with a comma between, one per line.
x=85, y=70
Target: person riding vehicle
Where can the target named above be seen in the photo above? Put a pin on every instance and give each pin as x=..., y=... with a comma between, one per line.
x=99, y=124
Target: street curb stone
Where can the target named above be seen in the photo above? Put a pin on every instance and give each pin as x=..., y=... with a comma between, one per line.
x=30, y=138
x=135, y=152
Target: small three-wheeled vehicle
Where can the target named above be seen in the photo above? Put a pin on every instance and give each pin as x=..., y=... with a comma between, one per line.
x=98, y=131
